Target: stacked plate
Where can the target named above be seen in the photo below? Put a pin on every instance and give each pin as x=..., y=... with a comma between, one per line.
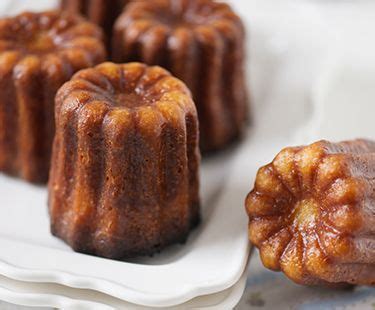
x=54, y=295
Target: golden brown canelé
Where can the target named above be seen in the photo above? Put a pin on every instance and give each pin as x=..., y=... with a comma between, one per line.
x=38, y=53
x=124, y=176
x=312, y=213
x=100, y=12
x=202, y=43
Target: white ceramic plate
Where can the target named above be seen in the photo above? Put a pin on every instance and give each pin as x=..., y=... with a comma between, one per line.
x=54, y=295
x=211, y=261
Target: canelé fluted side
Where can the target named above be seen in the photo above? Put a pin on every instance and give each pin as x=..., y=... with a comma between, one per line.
x=38, y=53
x=312, y=213
x=100, y=12
x=124, y=176
x=202, y=43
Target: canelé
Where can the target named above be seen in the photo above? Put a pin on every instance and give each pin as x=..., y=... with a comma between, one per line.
x=312, y=213
x=124, y=176
x=202, y=43
x=38, y=53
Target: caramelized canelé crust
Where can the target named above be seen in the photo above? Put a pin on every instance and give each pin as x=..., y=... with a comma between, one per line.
x=100, y=12
x=202, y=43
x=124, y=176
x=38, y=53
x=312, y=213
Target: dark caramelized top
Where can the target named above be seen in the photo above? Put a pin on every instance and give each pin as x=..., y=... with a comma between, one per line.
x=45, y=33
x=132, y=100
x=130, y=86
x=179, y=13
x=39, y=43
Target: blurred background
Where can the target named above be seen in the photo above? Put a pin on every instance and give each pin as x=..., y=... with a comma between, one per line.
x=311, y=67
